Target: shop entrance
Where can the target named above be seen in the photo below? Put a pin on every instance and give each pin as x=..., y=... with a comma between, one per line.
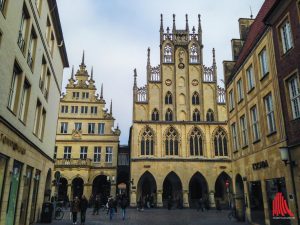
x=146, y=188
x=63, y=190
x=101, y=187
x=197, y=190
x=172, y=190
x=240, y=198
x=77, y=187
x=256, y=202
x=25, y=197
x=223, y=190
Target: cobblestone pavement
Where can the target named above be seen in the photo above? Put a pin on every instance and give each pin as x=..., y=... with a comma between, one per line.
x=155, y=217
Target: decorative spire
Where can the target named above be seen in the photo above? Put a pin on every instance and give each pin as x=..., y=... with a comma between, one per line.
x=148, y=64
x=72, y=73
x=148, y=56
x=82, y=60
x=92, y=73
x=135, y=75
x=174, y=25
x=214, y=65
x=199, y=30
x=101, y=92
x=193, y=29
x=214, y=57
x=110, y=111
x=161, y=23
x=186, y=22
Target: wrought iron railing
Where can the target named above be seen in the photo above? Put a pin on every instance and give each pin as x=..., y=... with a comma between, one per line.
x=73, y=162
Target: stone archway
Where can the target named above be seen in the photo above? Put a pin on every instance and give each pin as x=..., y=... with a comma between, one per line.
x=198, y=188
x=101, y=187
x=146, y=186
x=223, y=194
x=63, y=189
x=240, y=197
x=77, y=187
x=172, y=189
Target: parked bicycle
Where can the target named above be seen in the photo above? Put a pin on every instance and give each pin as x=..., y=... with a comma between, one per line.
x=59, y=213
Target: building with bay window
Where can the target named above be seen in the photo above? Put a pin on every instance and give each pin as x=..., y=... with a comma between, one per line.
x=32, y=56
x=179, y=139
x=86, y=140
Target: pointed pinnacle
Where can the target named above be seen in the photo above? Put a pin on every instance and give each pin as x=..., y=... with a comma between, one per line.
x=186, y=22
x=161, y=23
x=92, y=73
x=72, y=73
x=174, y=25
x=101, y=93
x=82, y=60
x=111, y=107
x=148, y=56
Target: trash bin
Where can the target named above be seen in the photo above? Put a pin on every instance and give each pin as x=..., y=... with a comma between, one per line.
x=47, y=211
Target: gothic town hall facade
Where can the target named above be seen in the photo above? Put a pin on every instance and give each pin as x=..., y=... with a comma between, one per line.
x=179, y=140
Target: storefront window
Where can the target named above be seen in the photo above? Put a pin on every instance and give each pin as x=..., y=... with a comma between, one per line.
x=13, y=193
x=3, y=165
x=26, y=191
x=36, y=183
x=256, y=202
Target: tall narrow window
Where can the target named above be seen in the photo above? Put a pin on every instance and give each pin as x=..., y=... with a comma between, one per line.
x=195, y=99
x=42, y=125
x=48, y=30
x=31, y=49
x=240, y=90
x=37, y=118
x=147, y=142
x=168, y=98
x=84, y=109
x=250, y=78
x=15, y=84
x=64, y=109
x=43, y=74
x=155, y=115
x=74, y=109
x=67, y=152
x=196, y=115
x=97, y=154
x=63, y=127
x=51, y=44
x=172, y=142
x=78, y=126
x=243, y=126
x=231, y=100
x=91, y=128
x=2, y=6
x=234, y=137
x=255, y=124
x=270, y=113
x=168, y=54
x=196, y=145
x=169, y=115
x=75, y=95
x=47, y=85
x=294, y=90
x=210, y=115
x=23, y=28
x=55, y=152
x=101, y=128
x=109, y=155
x=24, y=101
x=194, y=54
x=286, y=36
x=263, y=61
x=83, y=152
x=220, y=143
x=94, y=109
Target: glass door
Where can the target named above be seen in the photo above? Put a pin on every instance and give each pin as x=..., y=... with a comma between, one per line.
x=25, y=198
x=13, y=193
x=36, y=183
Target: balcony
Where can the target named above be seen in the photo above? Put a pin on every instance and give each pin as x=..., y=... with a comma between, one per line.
x=83, y=163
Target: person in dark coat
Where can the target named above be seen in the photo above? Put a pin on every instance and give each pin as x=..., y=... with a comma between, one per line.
x=111, y=207
x=123, y=205
x=83, y=207
x=218, y=205
x=200, y=205
x=169, y=202
x=75, y=208
x=96, y=205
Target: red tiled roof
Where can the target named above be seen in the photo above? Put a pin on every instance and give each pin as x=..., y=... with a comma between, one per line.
x=256, y=30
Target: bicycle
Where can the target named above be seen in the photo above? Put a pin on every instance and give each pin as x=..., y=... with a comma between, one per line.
x=59, y=213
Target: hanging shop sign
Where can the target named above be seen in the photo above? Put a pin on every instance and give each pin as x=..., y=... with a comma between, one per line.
x=260, y=165
x=11, y=143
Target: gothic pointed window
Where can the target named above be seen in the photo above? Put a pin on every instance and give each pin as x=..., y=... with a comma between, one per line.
x=155, y=115
x=196, y=144
x=147, y=142
x=168, y=98
x=168, y=54
x=195, y=99
x=220, y=143
x=172, y=142
x=196, y=115
x=194, y=54
x=210, y=115
x=169, y=115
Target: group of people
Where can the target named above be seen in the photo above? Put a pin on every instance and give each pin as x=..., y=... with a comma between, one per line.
x=81, y=205
x=146, y=201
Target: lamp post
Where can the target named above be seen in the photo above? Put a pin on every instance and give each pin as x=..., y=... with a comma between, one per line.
x=286, y=158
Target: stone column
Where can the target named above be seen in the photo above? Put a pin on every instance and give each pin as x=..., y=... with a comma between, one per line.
x=265, y=200
x=133, y=198
x=211, y=199
x=186, y=199
x=69, y=191
x=159, y=202
x=87, y=190
x=113, y=189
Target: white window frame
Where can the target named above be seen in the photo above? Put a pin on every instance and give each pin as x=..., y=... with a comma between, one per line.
x=101, y=128
x=234, y=137
x=250, y=77
x=270, y=117
x=64, y=127
x=94, y=109
x=78, y=126
x=263, y=61
x=83, y=152
x=24, y=101
x=286, y=36
x=67, y=152
x=108, y=154
x=91, y=128
x=231, y=100
x=294, y=92
x=243, y=125
x=97, y=154
x=240, y=90
x=255, y=124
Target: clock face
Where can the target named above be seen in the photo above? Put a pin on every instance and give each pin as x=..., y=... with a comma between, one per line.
x=168, y=82
x=195, y=82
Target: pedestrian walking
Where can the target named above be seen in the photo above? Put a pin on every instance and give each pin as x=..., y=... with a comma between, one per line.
x=123, y=205
x=218, y=205
x=200, y=205
x=75, y=208
x=111, y=207
x=96, y=205
x=83, y=207
x=169, y=202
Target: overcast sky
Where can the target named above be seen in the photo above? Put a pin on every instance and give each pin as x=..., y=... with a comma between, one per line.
x=115, y=35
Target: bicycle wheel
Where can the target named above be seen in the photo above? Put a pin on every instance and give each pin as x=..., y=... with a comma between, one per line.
x=59, y=214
